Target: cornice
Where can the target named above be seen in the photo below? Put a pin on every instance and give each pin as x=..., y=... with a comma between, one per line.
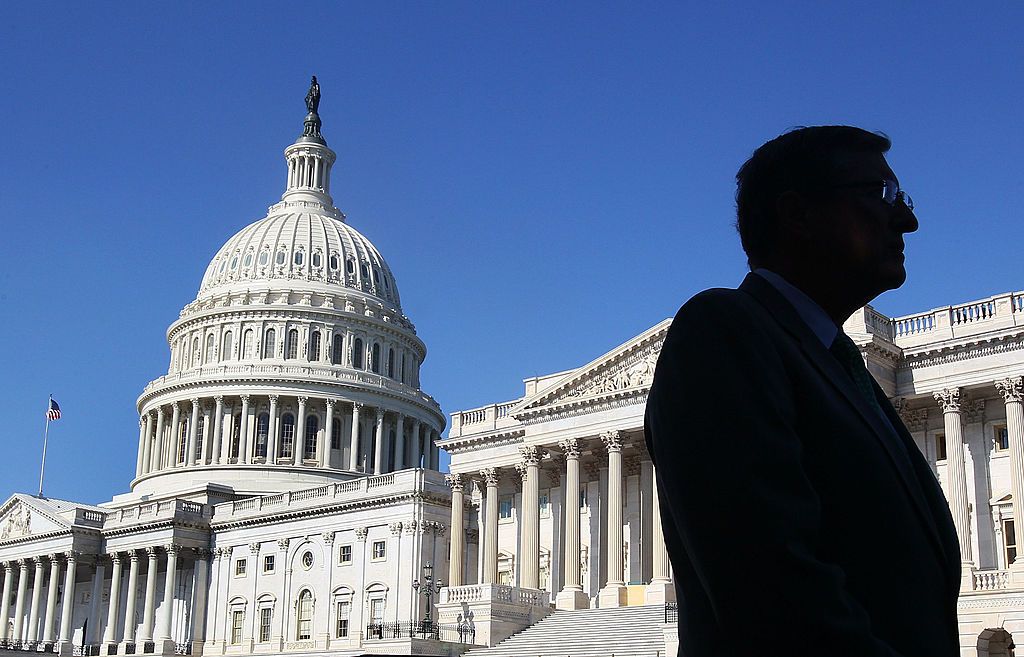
x=493, y=439
x=585, y=405
x=332, y=509
x=946, y=353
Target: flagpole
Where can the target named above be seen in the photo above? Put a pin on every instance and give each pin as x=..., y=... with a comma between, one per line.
x=46, y=433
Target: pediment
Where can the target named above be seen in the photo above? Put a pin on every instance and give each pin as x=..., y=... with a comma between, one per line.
x=625, y=370
x=23, y=516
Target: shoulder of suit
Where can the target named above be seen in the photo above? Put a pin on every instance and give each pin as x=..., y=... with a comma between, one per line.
x=715, y=301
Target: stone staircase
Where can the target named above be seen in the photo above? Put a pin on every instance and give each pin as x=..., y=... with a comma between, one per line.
x=622, y=632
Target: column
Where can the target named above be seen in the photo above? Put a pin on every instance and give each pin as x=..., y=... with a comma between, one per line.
x=110, y=630
x=69, y=596
x=243, y=433
x=417, y=444
x=206, y=454
x=51, y=600
x=272, y=438
x=217, y=453
x=150, y=608
x=199, y=597
x=300, y=431
x=661, y=589
x=167, y=609
x=956, y=477
x=353, y=456
x=5, y=603
x=323, y=448
x=143, y=441
x=614, y=592
x=147, y=450
x=378, y=443
x=172, y=446
x=158, y=448
x=193, y=426
x=529, y=557
x=400, y=442
x=457, y=547
x=1012, y=391
x=133, y=596
x=571, y=596
x=92, y=633
x=32, y=632
x=435, y=451
x=490, y=547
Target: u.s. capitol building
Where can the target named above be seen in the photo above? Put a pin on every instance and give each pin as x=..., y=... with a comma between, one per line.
x=287, y=497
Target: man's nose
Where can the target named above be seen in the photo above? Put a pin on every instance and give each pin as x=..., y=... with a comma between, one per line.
x=906, y=220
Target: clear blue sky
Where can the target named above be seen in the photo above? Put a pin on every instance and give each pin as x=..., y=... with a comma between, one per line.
x=546, y=179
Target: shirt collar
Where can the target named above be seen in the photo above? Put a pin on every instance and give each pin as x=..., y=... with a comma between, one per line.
x=811, y=313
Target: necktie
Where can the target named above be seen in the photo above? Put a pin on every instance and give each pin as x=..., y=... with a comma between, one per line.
x=848, y=355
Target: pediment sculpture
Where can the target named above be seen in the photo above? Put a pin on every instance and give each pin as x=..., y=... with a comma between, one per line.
x=16, y=523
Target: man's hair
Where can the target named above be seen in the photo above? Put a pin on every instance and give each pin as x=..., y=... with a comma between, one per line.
x=802, y=159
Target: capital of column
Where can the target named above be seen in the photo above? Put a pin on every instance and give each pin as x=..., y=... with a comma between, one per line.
x=72, y=556
x=39, y=561
x=1012, y=389
x=328, y=538
x=172, y=548
x=521, y=470
x=454, y=481
x=244, y=398
x=530, y=454
x=219, y=399
x=152, y=552
x=195, y=402
x=115, y=557
x=329, y=403
x=613, y=440
x=361, y=533
x=358, y=406
x=8, y=567
x=282, y=544
x=273, y=398
x=302, y=400
x=380, y=415
x=203, y=554
x=254, y=548
x=570, y=448
x=948, y=399
x=490, y=476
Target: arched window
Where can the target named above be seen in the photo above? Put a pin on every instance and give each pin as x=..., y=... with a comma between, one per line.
x=209, y=348
x=225, y=352
x=264, y=256
x=350, y=265
x=292, y=344
x=336, y=434
x=287, y=436
x=268, y=344
x=247, y=344
x=305, y=616
x=182, y=440
x=338, y=350
x=196, y=354
x=236, y=436
x=334, y=261
x=316, y=260
x=248, y=259
x=391, y=362
x=200, y=428
x=375, y=358
x=314, y=345
x=280, y=257
x=262, y=432
x=298, y=257
x=357, y=353
x=309, y=444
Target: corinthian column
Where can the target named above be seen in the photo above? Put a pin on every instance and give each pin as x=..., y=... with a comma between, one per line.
x=51, y=599
x=490, y=547
x=272, y=438
x=167, y=609
x=172, y=456
x=378, y=443
x=110, y=631
x=69, y=596
x=354, y=449
x=1012, y=391
x=244, y=455
x=133, y=595
x=614, y=592
x=217, y=452
x=400, y=442
x=956, y=474
x=661, y=589
x=143, y=442
x=149, y=611
x=199, y=589
x=457, y=547
x=417, y=444
x=5, y=603
x=529, y=574
x=157, y=457
x=571, y=596
x=299, y=449
x=32, y=633
x=323, y=447
x=193, y=427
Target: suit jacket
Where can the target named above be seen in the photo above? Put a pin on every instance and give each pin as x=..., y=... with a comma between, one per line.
x=797, y=523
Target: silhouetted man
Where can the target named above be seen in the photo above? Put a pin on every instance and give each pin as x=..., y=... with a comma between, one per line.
x=799, y=515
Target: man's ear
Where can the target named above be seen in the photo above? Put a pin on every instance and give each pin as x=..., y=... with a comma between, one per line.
x=794, y=213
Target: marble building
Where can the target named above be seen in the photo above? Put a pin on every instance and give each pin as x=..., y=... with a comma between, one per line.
x=286, y=493
x=553, y=493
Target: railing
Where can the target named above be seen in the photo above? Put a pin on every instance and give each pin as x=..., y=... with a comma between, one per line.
x=914, y=324
x=310, y=493
x=1017, y=303
x=991, y=580
x=457, y=633
x=93, y=516
x=496, y=593
x=879, y=323
x=191, y=507
x=474, y=416
x=381, y=480
x=671, y=612
x=972, y=312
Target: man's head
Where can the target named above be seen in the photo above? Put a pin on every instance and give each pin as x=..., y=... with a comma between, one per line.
x=810, y=206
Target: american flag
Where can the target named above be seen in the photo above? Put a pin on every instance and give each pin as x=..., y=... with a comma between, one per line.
x=53, y=413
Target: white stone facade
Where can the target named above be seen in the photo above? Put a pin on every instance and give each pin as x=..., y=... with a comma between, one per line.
x=954, y=374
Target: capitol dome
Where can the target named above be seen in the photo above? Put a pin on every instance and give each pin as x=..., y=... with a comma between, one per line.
x=294, y=365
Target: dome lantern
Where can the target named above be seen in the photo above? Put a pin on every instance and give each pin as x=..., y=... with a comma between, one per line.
x=310, y=160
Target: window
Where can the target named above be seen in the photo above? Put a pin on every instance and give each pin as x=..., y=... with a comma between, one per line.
x=544, y=577
x=583, y=498
x=305, y=614
x=298, y=257
x=341, y=628
x=309, y=444
x=291, y=347
x=350, y=265
x=200, y=428
x=182, y=440
x=280, y=257
x=237, y=621
x=266, y=615
x=1001, y=438
x=316, y=259
x=403, y=368
x=345, y=555
x=268, y=344
x=544, y=500
x=307, y=559
x=225, y=351
x=209, y=349
x=365, y=271
x=1010, y=541
x=247, y=343
x=391, y=362
x=940, y=447
x=268, y=563
x=505, y=508
x=314, y=345
x=337, y=350
x=196, y=355
x=262, y=432
x=377, y=611
x=240, y=565
x=334, y=261
x=236, y=436
x=248, y=259
x=264, y=257
x=380, y=550
x=375, y=358
x=287, y=435
x=505, y=577
x=234, y=262
x=376, y=276
x=357, y=353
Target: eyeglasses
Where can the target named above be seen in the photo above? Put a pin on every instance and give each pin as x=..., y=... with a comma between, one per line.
x=891, y=191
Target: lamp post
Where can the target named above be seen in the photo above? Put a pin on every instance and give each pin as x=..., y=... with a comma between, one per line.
x=430, y=587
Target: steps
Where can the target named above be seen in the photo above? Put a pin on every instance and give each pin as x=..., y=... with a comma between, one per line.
x=622, y=632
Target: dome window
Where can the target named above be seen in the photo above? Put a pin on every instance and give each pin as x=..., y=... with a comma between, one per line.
x=209, y=348
x=316, y=260
x=223, y=264
x=391, y=363
x=268, y=344
x=350, y=266
x=287, y=435
x=387, y=286
x=309, y=440
x=264, y=257
x=247, y=342
x=298, y=257
x=234, y=263
x=225, y=351
x=334, y=261
x=262, y=431
x=314, y=346
x=248, y=259
x=365, y=270
x=357, y=353
x=375, y=358
x=291, y=346
x=280, y=257
x=337, y=350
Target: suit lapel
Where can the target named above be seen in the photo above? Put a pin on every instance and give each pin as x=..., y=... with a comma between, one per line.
x=783, y=312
